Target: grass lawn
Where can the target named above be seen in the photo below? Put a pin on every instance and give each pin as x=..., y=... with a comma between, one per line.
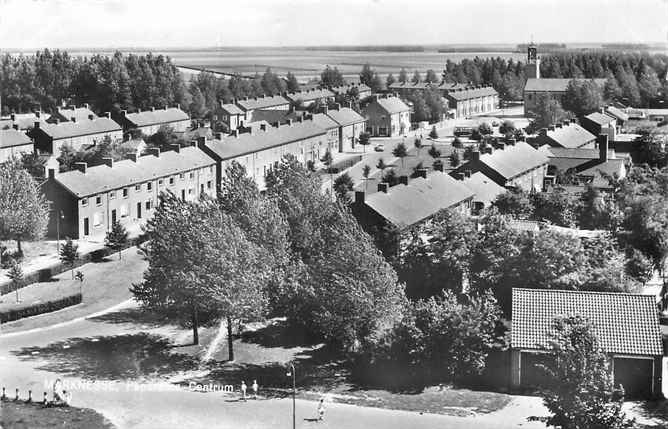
x=19, y=415
x=32, y=249
x=38, y=293
x=105, y=284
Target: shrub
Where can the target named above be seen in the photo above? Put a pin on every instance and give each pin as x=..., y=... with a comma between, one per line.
x=41, y=308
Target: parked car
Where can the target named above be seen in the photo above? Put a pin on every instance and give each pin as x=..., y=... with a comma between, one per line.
x=379, y=147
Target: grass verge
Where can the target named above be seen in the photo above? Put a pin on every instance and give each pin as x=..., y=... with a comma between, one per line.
x=20, y=415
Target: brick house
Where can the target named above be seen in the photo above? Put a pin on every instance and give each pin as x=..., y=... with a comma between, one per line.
x=92, y=198
x=13, y=143
x=627, y=327
x=150, y=121
x=565, y=134
x=65, y=114
x=473, y=101
x=515, y=164
x=49, y=138
x=350, y=125
x=387, y=116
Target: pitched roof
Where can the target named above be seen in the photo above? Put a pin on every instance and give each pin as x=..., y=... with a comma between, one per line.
x=624, y=323
x=392, y=105
x=12, y=137
x=103, y=178
x=347, y=87
x=231, y=109
x=345, y=116
x=405, y=205
x=78, y=113
x=600, y=118
x=262, y=102
x=610, y=168
x=271, y=115
x=484, y=188
x=85, y=127
x=617, y=113
x=310, y=95
x=246, y=143
x=466, y=94
x=324, y=121
x=553, y=84
x=570, y=136
x=23, y=120
x=411, y=85
x=514, y=159
x=157, y=116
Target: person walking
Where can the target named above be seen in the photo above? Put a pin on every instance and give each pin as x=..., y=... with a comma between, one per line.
x=243, y=390
x=321, y=410
x=255, y=387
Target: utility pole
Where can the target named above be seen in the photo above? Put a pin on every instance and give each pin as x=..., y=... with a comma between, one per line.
x=294, y=393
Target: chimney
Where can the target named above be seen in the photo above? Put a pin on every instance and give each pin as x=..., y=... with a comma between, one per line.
x=382, y=187
x=131, y=156
x=403, y=180
x=218, y=136
x=124, y=113
x=235, y=133
x=72, y=107
x=36, y=125
x=602, y=141
x=421, y=172
x=558, y=125
x=337, y=106
x=566, y=122
x=91, y=117
x=152, y=109
x=551, y=128
x=37, y=114
x=81, y=166
x=51, y=172
x=467, y=173
x=155, y=151
x=301, y=118
x=438, y=166
x=13, y=116
x=501, y=145
x=15, y=126
x=201, y=141
x=250, y=130
x=510, y=141
x=359, y=197
x=542, y=131
x=475, y=155
x=73, y=119
x=263, y=127
x=276, y=124
x=109, y=162
x=57, y=121
x=459, y=175
x=175, y=147
x=86, y=106
x=107, y=114
x=289, y=122
x=325, y=109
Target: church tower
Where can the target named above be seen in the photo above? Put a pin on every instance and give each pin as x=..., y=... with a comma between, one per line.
x=532, y=68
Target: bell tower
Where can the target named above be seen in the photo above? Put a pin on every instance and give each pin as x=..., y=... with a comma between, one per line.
x=532, y=68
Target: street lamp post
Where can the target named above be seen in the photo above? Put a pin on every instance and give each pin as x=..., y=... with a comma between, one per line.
x=294, y=393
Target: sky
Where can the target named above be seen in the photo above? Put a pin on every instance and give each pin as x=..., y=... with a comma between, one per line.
x=27, y=24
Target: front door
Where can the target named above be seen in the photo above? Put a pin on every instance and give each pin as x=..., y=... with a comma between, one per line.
x=138, y=210
x=86, y=227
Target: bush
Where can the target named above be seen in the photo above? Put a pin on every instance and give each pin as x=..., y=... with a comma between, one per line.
x=41, y=308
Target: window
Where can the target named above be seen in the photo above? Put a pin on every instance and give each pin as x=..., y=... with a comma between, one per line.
x=181, y=176
x=124, y=210
x=97, y=219
x=112, y=195
x=148, y=205
x=211, y=169
x=191, y=191
x=98, y=200
x=208, y=184
x=192, y=175
x=125, y=192
x=84, y=201
x=160, y=182
x=137, y=188
x=171, y=180
x=149, y=186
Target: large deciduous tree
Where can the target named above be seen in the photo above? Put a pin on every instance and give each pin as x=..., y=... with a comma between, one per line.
x=24, y=212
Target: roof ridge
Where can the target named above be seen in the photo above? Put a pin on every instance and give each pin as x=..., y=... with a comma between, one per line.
x=588, y=292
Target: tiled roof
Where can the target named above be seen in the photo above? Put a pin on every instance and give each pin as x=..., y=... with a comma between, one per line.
x=23, y=120
x=271, y=115
x=263, y=102
x=103, y=178
x=484, y=188
x=571, y=136
x=232, y=147
x=80, y=128
x=157, y=116
x=310, y=95
x=624, y=323
x=467, y=94
x=411, y=85
x=11, y=138
x=324, y=121
x=78, y=113
x=405, y=205
x=553, y=84
x=345, y=116
x=600, y=118
x=231, y=109
x=610, y=168
x=392, y=105
x=514, y=159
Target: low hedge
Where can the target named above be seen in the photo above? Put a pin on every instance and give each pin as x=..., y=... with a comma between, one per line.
x=41, y=308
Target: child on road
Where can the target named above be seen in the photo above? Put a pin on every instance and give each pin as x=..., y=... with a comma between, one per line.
x=243, y=390
x=255, y=387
